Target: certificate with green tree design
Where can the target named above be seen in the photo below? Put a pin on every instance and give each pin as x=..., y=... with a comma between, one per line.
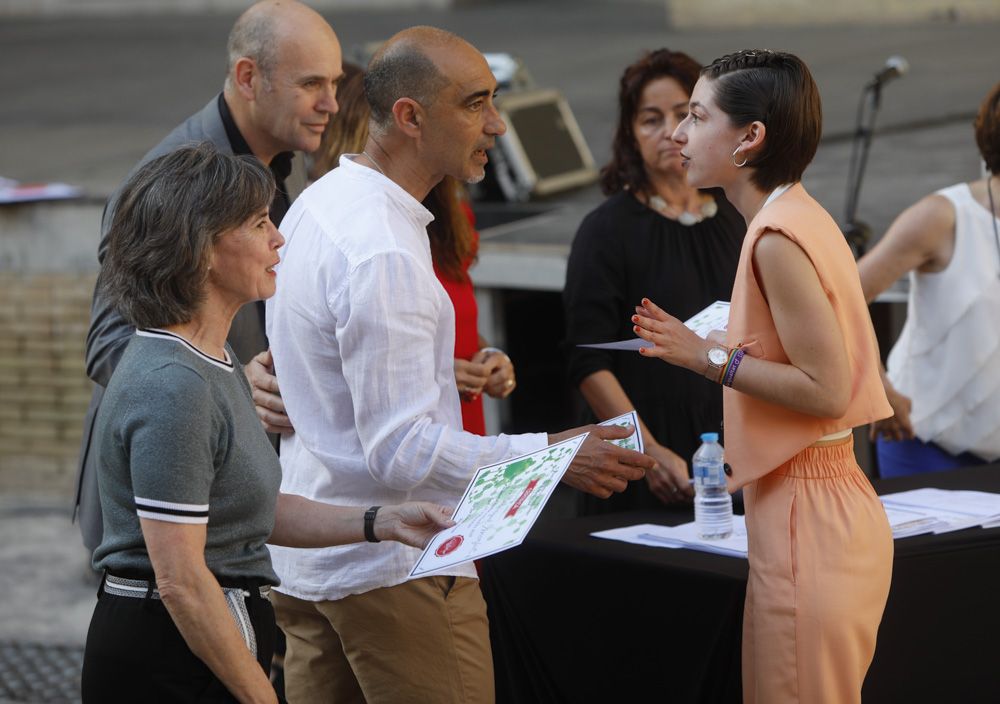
x=499, y=507
x=633, y=441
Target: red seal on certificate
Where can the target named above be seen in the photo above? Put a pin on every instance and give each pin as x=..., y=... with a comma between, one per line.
x=449, y=546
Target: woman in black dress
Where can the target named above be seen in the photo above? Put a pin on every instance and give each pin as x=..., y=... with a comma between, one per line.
x=654, y=233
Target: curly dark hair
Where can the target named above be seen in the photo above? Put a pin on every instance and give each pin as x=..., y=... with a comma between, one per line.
x=167, y=218
x=626, y=169
x=777, y=89
x=988, y=130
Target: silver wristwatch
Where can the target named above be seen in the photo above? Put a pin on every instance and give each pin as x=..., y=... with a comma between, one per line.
x=717, y=358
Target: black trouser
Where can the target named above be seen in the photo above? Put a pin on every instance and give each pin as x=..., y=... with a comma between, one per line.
x=136, y=654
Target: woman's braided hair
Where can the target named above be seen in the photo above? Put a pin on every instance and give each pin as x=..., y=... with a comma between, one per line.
x=776, y=89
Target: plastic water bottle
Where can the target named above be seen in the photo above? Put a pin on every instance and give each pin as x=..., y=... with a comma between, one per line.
x=713, y=506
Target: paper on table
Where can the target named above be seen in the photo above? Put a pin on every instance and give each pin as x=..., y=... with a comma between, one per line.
x=909, y=513
x=682, y=536
x=714, y=317
x=906, y=522
x=633, y=441
x=954, y=510
x=639, y=534
x=499, y=507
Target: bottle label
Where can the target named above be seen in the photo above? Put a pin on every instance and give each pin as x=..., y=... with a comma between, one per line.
x=709, y=473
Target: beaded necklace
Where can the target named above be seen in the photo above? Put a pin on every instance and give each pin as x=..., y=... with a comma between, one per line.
x=685, y=217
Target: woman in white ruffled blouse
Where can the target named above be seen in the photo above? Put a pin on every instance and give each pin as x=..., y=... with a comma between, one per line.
x=943, y=378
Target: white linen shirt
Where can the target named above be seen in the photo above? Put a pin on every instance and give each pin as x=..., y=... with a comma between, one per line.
x=363, y=338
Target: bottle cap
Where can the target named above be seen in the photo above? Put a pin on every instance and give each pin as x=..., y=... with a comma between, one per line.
x=710, y=437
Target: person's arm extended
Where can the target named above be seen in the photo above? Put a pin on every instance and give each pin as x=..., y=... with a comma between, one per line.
x=816, y=380
x=109, y=333
x=390, y=364
x=390, y=361
x=602, y=468
x=198, y=607
x=668, y=480
x=107, y=338
x=303, y=523
x=922, y=238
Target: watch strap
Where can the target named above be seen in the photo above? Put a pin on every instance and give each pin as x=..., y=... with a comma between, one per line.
x=370, y=524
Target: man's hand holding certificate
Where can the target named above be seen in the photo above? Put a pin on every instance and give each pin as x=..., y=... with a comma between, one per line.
x=633, y=441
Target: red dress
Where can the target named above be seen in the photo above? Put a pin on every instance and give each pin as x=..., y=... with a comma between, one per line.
x=463, y=299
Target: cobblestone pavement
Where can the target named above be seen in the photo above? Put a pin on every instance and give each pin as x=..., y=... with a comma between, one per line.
x=49, y=593
x=38, y=672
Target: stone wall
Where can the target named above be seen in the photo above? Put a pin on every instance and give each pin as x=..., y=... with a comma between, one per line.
x=48, y=267
x=44, y=388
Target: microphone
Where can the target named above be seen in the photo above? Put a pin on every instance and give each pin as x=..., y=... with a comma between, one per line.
x=895, y=66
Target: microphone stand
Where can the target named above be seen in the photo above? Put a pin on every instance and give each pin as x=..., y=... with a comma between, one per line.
x=858, y=233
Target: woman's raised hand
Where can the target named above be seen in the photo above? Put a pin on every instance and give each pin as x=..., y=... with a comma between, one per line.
x=670, y=339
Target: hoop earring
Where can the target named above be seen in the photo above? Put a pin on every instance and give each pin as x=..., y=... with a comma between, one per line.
x=745, y=160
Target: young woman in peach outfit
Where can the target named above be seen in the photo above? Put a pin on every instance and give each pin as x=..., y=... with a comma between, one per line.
x=800, y=363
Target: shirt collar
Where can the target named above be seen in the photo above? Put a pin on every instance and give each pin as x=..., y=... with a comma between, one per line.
x=281, y=165
x=387, y=185
x=236, y=141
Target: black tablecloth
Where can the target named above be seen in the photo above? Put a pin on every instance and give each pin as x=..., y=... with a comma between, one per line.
x=580, y=619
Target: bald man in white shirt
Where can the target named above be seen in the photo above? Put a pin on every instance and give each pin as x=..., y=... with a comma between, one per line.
x=362, y=336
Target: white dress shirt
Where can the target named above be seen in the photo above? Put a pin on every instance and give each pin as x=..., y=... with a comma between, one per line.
x=363, y=338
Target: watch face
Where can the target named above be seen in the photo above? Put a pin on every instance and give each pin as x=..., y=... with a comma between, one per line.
x=717, y=355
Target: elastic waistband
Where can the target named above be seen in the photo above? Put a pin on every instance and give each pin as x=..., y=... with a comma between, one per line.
x=146, y=589
x=835, y=459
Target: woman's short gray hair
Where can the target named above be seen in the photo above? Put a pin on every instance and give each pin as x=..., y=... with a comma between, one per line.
x=168, y=216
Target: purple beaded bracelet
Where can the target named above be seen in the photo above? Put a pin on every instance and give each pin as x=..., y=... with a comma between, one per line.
x=734, y=363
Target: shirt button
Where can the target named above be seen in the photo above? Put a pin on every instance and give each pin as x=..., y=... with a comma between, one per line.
x=727, y=469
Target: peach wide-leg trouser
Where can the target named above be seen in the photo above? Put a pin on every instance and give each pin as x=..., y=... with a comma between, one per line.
x=820, y=566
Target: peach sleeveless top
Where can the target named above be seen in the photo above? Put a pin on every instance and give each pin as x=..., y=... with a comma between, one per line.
x=761, y=436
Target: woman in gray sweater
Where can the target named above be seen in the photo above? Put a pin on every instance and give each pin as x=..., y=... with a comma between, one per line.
x=189, y=482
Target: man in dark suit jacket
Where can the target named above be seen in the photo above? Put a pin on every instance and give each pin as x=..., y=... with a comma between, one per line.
x=279, y=94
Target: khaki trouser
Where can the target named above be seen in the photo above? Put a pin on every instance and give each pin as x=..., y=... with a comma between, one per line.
x=426, y=640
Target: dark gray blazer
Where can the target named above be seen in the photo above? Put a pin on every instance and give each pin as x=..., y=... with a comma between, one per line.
x=109, y=333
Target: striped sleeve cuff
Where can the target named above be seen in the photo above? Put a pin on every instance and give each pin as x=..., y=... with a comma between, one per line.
x=170, y=511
